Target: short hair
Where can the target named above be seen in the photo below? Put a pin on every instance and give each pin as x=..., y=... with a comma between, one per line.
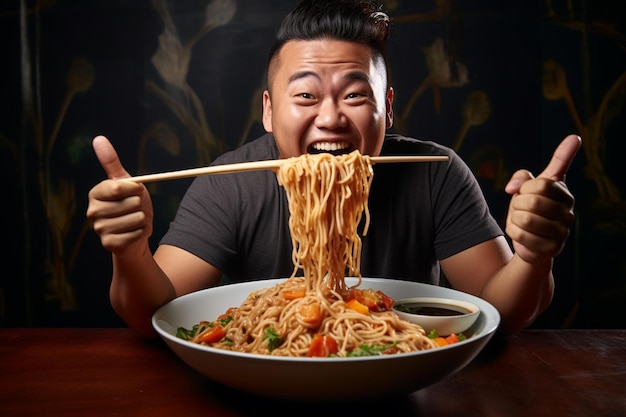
x=359, y=21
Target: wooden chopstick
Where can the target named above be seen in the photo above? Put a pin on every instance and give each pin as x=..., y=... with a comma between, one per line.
x=271, y=164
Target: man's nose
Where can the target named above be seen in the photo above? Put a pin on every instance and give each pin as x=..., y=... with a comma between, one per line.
x=330, y=115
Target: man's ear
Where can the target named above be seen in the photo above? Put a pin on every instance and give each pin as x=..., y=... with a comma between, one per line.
x=389, y=104
x=267, y=111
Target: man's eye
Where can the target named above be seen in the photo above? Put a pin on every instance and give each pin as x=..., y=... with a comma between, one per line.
x=354, y=95
x=307, y=96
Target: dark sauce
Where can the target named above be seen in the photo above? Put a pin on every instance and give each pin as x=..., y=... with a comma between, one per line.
x=427, y=310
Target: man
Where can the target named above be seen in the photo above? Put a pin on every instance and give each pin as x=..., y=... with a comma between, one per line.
x=327, y=91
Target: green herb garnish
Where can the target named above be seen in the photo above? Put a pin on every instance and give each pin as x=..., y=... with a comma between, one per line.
x=273, y=339
x=374, y=350
x=186, y=334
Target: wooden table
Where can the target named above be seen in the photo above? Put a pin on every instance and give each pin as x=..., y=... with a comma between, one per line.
x=113, y=372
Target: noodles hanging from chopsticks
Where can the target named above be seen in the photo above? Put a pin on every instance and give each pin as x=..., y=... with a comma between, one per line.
x=327, y=198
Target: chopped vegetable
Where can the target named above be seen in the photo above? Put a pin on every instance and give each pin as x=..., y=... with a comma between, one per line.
x=373, y=300
x=357, y=306
x=453, y=338
x=208, y=327
x=322, y=346
x=441, y=341
x=375, y=350
x=189, y=334
x=186, y=334
x=203, y=332
x=294, y=294
x=384, y=302
x=273, y=339
x=224, y=320
x=228, y=342
x=448, y=340
x=212, y=334
x=311, y=314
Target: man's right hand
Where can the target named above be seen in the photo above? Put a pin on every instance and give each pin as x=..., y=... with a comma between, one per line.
x=120, y=211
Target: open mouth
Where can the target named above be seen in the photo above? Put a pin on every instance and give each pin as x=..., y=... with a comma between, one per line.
x=335, y=148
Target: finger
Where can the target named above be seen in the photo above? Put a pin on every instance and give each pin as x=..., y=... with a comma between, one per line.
x=562, y=158
x=516, y=181
x=107, y=156
x=532, y=246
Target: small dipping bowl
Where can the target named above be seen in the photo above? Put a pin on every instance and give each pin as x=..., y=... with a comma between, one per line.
x=444, y=315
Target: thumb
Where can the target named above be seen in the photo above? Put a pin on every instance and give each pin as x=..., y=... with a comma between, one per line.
x=107, y=156
x=562, y=158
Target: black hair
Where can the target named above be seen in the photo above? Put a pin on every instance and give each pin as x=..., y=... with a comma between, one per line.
x=359, y=21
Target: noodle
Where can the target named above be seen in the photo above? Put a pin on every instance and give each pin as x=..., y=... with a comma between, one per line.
x=327, y=198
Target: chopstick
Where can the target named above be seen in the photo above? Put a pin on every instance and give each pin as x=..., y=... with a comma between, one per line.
x=271, y=164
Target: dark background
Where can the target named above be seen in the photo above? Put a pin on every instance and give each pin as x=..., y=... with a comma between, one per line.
x=74, y=69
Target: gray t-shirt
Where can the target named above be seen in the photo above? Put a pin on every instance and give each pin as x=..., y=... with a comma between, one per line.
x=420, y=213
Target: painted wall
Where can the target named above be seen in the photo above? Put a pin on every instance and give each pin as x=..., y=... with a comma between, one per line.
x=502, y=82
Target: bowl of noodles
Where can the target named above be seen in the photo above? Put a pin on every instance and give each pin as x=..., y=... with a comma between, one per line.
x=328, y=333
x=320, y=378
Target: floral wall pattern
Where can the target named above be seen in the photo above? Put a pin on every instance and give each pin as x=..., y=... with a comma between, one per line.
x=174, y=84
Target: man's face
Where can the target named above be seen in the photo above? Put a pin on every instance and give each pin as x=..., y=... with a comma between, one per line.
x=327, y=96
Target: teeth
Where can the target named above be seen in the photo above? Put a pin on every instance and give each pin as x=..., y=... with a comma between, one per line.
x=330, y=146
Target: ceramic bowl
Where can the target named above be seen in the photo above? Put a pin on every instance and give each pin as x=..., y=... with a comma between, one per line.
x=320, y=379
x=443, y=315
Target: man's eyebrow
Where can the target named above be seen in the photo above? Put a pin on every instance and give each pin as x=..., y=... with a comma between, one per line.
x=302, y=74
x=356, y=75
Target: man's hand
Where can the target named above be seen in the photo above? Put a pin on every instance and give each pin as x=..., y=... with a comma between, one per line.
x=120, y=211
x=541, y=210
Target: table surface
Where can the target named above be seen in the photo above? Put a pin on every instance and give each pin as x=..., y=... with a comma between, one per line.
x=114, y=372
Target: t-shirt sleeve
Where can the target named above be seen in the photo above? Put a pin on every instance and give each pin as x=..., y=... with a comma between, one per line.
x=217, y=211
x=462, y=216
x=205, y=221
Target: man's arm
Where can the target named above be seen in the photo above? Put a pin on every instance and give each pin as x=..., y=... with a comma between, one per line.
x=521, y=285
x=121, y=214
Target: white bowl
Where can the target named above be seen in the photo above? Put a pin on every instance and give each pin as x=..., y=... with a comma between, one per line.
x=319, y=379
x=459, y=315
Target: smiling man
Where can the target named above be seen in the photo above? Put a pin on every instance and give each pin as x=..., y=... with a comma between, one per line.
x=334, y=94
x=328, y=92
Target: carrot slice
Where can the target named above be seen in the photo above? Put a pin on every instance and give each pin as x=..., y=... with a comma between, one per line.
x=440, y=341
x=311, y=313
x=212, y=334
x=323, y=346
x=294, y=294
x=355, y=305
